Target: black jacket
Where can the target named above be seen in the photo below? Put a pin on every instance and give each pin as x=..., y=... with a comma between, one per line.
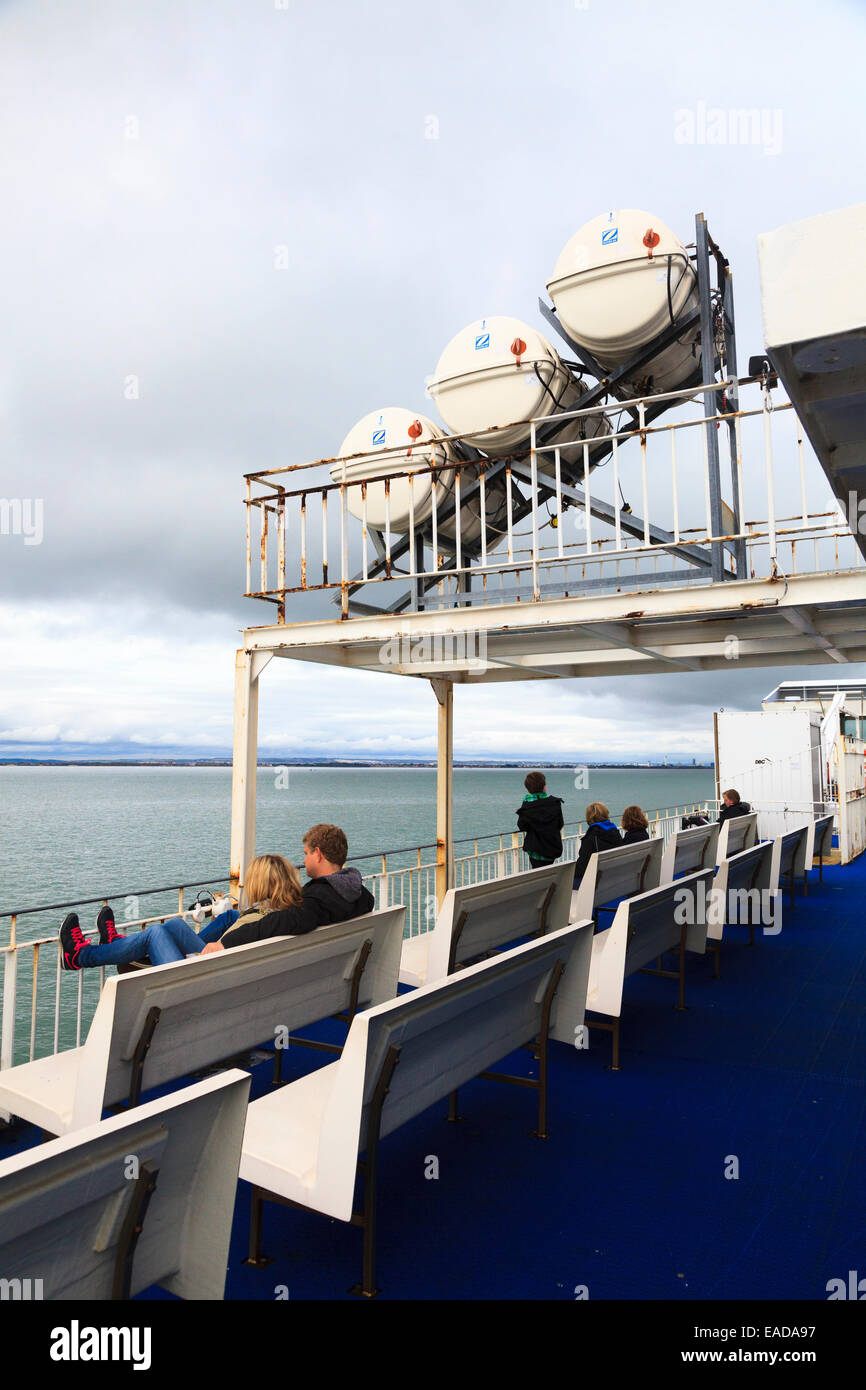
x=635, y=837
x=739, y=808
x=332, y=898
x=542, y=822
x=599, y=836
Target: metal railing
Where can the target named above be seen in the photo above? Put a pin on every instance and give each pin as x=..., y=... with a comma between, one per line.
x=312, y=535
x=38, y=1016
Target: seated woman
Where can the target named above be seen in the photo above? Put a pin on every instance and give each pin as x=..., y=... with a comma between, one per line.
x=601, y=833
x=635, y=825
x=271, y=884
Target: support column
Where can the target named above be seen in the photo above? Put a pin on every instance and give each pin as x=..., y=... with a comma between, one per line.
x=444, y=692
x=711, y=398
x=248, y=668
x=842, y=794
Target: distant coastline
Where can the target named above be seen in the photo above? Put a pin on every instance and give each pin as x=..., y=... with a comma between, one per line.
x=349, y=762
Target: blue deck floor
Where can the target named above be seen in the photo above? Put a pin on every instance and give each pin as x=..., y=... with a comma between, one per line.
x=628, y=1197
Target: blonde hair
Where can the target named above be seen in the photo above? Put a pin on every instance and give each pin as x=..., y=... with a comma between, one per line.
x=633, y=818
x=595, y=811
x=271, y=878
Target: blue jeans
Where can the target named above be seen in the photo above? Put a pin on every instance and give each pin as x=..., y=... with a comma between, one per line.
x=163, y=942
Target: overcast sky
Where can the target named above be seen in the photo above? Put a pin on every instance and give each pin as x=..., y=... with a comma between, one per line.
x=152, y=158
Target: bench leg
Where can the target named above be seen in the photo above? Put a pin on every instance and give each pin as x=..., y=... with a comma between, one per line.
x=367, y=1287
x=255, y=1257
x=452, y=1116
x=717, y=951
x=278, y=1067
x=367, y=1219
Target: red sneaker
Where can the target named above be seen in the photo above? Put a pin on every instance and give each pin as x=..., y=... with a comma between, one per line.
x=71, y=942
x=105, y=926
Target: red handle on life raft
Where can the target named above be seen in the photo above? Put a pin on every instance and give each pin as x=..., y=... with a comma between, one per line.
x=651, y=239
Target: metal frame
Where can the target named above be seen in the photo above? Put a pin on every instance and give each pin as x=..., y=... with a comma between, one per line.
x=368, y=1167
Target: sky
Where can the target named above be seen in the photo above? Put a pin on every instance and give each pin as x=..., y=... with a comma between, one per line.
x=419, y=167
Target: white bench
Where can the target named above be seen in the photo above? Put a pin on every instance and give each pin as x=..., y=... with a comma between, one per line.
x=155, y=1026
x=302, y=1143
x=790, y=857
x=670, y=917
x=482, y=917
x=617, y=873
x=739, y=879
x=691, y=849
x=737, y=833
x=819, y=844
x=139, y=1199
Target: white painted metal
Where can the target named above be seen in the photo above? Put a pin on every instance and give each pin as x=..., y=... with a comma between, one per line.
x=302, y=1142
x=63, y=1204
x=750, y=872
x=690, y=849
x=773, y=759
x=813, y=298
x=248, y=667
x=493, y=913
x=614, y=293
x=737, y=834
x=617, y=873
x=643, y=928
x=482, y=385
x=211, y=1007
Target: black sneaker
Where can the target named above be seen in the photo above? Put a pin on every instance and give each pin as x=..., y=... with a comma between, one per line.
x=71, y=942
x=105, y=926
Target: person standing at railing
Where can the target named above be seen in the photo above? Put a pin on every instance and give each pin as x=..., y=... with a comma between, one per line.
x=601, y=834
x=540, y=816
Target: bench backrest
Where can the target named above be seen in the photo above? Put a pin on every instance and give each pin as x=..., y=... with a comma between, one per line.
x=751, y=871
x=643, y=927
x=447, y=1033
x=791, y=852
x=738, y=833
x=820, y=840
x=215, y=1006
x=483, y=916
x=617, y=873
x=691, y=849
x=63, y=1204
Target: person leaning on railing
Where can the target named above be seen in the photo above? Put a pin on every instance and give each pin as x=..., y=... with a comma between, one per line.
x=540, y=816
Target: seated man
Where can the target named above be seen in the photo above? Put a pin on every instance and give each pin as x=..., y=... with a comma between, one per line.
x=732, y=806
x=334, y=893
